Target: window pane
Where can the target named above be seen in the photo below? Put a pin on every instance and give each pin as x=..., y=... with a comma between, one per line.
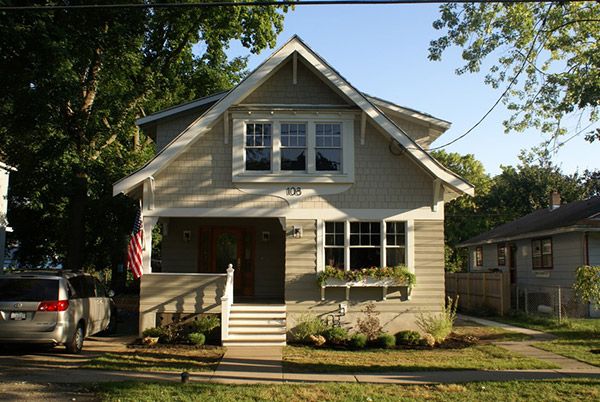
x=547, y=247
x=537, y=262
x=339, y=227
x=339, y=240
x=334, y=257
x=364, y=240
x=258, y=159
x=547, y=261
x=293, y=159
x=354, y=239
x=330, y=240
x=375, y=240
x=395, y=257
x=329, y=227
x=536, y=248
x=329, y=159
x=354, y=227
x=364, y=257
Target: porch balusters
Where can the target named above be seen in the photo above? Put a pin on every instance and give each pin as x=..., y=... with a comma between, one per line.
x=226, y=302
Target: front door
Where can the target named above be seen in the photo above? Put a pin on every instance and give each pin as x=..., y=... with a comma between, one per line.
x=235, y=246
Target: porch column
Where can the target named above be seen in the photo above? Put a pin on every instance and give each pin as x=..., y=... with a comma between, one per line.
x=147, y=318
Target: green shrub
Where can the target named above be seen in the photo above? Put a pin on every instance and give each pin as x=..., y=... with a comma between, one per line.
x=408, y=338
x=358, y=341
x=335, y=335
x=307, y=325
x=386, y=341
x=439, y=325
x=196, y=338
x=205, y=324
x=156, y=332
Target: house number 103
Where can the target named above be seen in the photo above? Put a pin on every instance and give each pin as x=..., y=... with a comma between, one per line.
x=293, y=191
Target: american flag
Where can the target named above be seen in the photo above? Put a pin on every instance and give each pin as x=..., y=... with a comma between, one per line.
x=134, y=249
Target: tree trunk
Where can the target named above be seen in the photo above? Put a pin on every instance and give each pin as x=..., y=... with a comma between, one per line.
x=76, y=227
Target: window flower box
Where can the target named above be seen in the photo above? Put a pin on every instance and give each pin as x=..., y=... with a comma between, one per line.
x=384, y=278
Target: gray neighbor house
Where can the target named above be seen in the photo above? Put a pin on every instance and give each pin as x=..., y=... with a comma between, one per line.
x=541, y=252
x=260, y=189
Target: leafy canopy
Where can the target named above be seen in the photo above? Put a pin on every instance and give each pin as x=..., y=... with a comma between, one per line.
x=547, y=53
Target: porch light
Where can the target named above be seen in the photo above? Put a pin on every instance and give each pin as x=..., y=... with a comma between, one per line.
x=297, y=232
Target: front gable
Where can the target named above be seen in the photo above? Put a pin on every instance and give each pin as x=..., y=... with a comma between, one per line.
x=270, y=91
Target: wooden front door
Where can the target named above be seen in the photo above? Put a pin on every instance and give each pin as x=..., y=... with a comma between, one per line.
x=234, y=246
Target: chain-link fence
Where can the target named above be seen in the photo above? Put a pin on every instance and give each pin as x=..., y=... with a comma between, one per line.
x=552, y=301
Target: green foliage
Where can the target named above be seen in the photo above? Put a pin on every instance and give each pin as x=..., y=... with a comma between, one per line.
x=386, y=341
x=587, y=283
x=335, y=335
x=72, y=84
x=196, y=338
x=549, y=50
x=156, y=332
x=369, y=324
x=439, y=326
x=358, y=341
x=205, y=324
x=408, y=338
x=307, y=325
x=400, y=274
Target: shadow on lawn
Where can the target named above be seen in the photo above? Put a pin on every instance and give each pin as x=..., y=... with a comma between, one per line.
x=155, y=361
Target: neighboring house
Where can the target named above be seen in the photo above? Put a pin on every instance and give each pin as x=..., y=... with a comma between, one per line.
x=292, y=170
x=4, y=175
x=542, y=250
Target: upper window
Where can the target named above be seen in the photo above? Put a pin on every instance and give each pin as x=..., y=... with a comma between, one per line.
x=258, y=146
x=293, y=146
x=501, y=254
x=479, y=256
x=328, y=147
x=541, y=253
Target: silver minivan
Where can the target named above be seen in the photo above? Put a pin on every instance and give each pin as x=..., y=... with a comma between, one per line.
x=54, y=307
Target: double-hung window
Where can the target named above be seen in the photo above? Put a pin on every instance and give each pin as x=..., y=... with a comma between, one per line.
x=541, y=253
x=258, y=146
x=328, y=147
x=357, y=245
x=478, y=256
x=501, y=254
x=293, y=146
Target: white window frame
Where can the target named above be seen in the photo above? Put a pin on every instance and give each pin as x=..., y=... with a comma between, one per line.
x=276, y=175
x=283, y=147
x=408, y=239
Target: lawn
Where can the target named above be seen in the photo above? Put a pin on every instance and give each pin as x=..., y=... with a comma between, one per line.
x=576, y=337
x=547, y=390
x=482, y=356
x=159, y=359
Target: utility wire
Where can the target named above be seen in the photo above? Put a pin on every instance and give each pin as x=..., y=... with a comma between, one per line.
x=255, y=4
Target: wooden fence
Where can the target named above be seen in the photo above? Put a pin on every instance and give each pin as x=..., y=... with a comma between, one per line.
x=480, y=290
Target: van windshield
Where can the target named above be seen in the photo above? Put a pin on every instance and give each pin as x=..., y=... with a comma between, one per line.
x=28, y=289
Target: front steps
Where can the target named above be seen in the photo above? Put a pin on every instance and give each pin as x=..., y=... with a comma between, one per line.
x=256, y=325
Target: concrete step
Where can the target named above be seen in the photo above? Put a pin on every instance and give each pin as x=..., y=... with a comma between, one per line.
x=256, y=322
x=256, y=330
x=256, y=337
x=267, y=308
x=242, y=315
x=238, y=343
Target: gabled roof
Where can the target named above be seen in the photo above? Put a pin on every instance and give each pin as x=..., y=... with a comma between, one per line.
x=574, y=215
x=204, y=123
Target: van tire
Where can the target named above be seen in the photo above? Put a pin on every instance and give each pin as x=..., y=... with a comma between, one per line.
x=75, y=344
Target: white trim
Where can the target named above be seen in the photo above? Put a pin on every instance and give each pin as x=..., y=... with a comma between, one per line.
x=441, y=125
x=226, y=127
x=523, y=236
x=410, y=245
x=6, y=167
x=149, y=223
x=199, y=127
x=320, y=245
x=424, y=213
x=186, y=273
x=180, y=109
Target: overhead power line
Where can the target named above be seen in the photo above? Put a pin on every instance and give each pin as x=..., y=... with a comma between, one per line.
x=254, y=4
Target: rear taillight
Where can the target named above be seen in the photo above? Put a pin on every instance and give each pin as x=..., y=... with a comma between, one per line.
x=58, y=305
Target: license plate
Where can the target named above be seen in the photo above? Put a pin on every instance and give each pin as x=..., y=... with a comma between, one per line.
x=18, y=316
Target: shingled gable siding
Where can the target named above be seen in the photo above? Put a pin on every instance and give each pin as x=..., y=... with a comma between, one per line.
x=417, y=132
x=167, y=130
x=280, y=89
x=302, y=293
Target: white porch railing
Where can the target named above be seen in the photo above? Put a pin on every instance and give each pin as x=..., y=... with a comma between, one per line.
x=226, y=302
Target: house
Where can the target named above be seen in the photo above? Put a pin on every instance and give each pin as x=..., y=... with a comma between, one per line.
x=4, y=175
x=289, y=172
x=541, y=252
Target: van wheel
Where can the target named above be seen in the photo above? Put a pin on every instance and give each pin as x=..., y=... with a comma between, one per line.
x=75, y=344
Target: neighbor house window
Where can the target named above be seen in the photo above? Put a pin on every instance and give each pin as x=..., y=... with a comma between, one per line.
x=334, y=244
x=501, y=254
x=258, y=146
x=365, y=247
x=479, y=256
x=395, y=248
x=328, y=151
x=541, y=253
x=293, y=146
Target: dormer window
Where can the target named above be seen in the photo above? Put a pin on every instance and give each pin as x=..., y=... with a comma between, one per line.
x=293, y=147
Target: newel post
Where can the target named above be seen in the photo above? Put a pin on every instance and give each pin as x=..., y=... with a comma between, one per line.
x=226, y=302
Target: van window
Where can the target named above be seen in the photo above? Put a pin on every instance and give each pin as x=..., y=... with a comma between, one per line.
x=28, y=289
x=83, y=287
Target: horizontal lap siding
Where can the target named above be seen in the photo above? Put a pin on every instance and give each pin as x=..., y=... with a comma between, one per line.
x=181, y=293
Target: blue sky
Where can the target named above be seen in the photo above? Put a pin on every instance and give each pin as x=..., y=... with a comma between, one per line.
x=382, y=50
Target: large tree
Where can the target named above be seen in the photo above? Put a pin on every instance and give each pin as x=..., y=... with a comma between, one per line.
x=72, y=83
x=544, y=54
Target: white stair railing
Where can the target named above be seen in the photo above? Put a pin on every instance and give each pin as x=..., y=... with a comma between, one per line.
x=226, y=302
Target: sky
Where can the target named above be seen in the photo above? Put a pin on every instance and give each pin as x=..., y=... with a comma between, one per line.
x=382, y=50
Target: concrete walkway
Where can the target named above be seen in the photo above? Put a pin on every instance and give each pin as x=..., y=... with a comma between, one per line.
x=250, y=365
x=535, y=335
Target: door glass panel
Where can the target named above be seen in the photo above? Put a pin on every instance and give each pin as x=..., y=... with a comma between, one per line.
x=226, y=251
